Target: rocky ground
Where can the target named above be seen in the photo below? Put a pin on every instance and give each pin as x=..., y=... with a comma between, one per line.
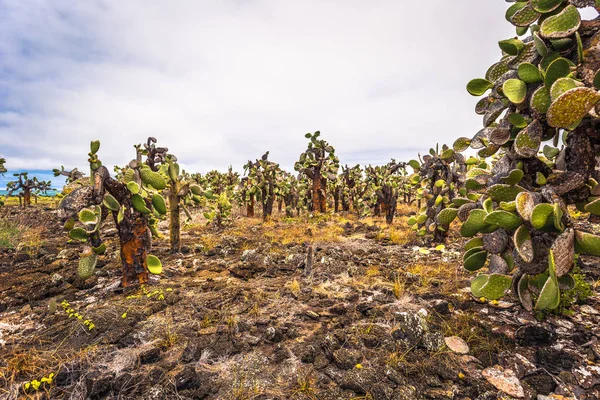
x=236, y=316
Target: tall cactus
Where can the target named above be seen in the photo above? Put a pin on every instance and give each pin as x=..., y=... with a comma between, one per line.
x=543, y=89
x=27, y=187
x=319, y=163
x=386, y=183
x=263, y=174
x=135, y=204
x=72, y=175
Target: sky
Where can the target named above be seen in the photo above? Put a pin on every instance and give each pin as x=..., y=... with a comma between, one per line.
x=221, y=82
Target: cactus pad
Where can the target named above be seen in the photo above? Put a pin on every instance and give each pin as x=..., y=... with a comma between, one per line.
x=110, y=202
x=446, y=216
x=154, y=264
x=78, y=234
x=153, y=179
x=540, y=215
x=562, y=85
x=527, y=142
x=588, y=243
x=88, y=217
x=503, y=219
x=158, y=203
x=475, y=261
x=529, y=73
x=525, y=205
x=545, y=6
x=593, y=207
x=515, y=90
x=540, y=100
x=561, y=25
x=492, y=287
x=479, y=86
x=139, y=204
x=523, y=244
x=474, y=223
x=87, y=263
x=563, y=249
x=511, y=46
x=549, y=297
x=502, y=192
x=570, y=107
x=524, y=16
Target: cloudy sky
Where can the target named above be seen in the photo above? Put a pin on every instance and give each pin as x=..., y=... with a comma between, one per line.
x=220, y=82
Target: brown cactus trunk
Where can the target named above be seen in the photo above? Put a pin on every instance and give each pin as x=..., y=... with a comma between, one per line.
x=250, y=207
x=135, y=244
x=279, y=205
x=316, y=192
x=174, y=222
x=26, y=197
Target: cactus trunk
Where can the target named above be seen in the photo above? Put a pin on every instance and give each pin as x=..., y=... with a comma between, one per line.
x=250, y=207
x=135, y=244
x=26, y=197
x=174, y=222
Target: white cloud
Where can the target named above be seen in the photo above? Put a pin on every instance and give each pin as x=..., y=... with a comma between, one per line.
x=221, y=82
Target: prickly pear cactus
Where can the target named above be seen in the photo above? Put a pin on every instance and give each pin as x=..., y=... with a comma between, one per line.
x=385, y=183
x=320, y=164
x=27, y=187
x=540, y=122
x=135, y=202
x=264, y=177
x=439, y=177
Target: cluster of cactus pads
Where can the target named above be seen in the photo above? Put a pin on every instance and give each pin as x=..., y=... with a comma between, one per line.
x=541, y=120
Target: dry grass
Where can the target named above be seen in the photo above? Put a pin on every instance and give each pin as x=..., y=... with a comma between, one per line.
x=20, y=237
x=443, y=275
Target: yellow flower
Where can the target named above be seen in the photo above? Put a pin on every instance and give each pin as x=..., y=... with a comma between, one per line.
x=358, y=366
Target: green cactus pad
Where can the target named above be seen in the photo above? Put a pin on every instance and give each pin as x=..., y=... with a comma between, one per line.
x=549, y=297
x=517, y=120
x=593, y=207
x=133, y=187
x=474, y=223
x=476, y=261
x=472, y=243
x=158, y=203
x=153, y=179
x=523, y=244
x=540, y=46
x=502, y=192
x=511, y=46
x=154, y=264
x=512, y=10
x=572, y=106
x=86, y=266
x=503, y=219
x=460, y=201
x=94, y=146
x=529, y=73
x=139, y=204
x=87, y=217
x=78, y=234
x=545, y=6
x=100, y=249
x=446, y=216
x=597, y=80
x=524, y=16
x=492, y=287
x=540, y=215
x=110, y=202
x=540, y=100
x=562, y=85
x=561, y=25
x=515, y=90
x=527, y=142
x=559, y=68
x=479, y=86
x=508, y=206
x=514, y=177
x=550, y=152
x=587, y=243
x=497, y=70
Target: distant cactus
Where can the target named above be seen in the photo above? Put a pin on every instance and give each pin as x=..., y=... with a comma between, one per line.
x=385, y=183
x=72, y=175
x=27, y=187
x=439, y=178
x=319, y=164
x=135, y=204
x=263, y=174
x=2, y=167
